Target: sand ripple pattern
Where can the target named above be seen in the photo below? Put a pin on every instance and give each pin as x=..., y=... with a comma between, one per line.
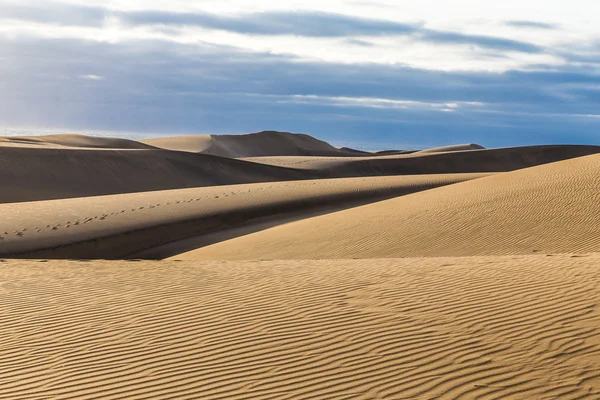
x=552, y=208
x=441, y=328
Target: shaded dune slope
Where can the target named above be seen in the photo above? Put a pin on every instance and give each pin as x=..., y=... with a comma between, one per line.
x=119, y=225
x=448, y=329
x=549, y=208
x=40, y=174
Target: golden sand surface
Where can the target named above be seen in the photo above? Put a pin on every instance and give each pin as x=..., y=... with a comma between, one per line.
x=550, y=208
x=308, y=272
x=511, y=327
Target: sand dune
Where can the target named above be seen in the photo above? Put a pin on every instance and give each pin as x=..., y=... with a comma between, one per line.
x=67, y=166
x=119, y=225
x=448, y=328
x=266, y=143
x=549, y=209
x=513, y=320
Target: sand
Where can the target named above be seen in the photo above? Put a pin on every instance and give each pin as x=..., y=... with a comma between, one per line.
x=432, y=162
x=266, y=143
x=67, y=166
x=308, y=272
x=548, y=208
x=30, y=174
x=435, y=328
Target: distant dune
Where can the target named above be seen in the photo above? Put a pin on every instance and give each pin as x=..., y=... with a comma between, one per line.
x=192, y=144
x=464, y=161
x=266, y=143
x=64, y=166
x=544, y=209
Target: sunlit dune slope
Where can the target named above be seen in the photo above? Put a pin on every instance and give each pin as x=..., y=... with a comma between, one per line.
x=550, y=208
x=119, y=225
x=450, y=328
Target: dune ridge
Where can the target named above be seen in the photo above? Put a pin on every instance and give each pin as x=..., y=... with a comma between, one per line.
x=445, y=328
x=547, y=208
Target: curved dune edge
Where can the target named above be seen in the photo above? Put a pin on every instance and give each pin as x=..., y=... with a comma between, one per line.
x=447, y=328
x=549, y=208
x=119, y=225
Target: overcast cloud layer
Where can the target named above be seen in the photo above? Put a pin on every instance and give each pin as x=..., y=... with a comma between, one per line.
x=348, y=72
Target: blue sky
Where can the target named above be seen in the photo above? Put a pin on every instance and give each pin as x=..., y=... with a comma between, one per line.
x=364, y=73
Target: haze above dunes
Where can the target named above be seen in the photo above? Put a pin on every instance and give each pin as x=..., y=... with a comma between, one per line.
x=456, y=272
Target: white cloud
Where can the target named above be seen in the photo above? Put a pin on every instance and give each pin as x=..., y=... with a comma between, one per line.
x=92, y=77
x=373, y=102
x=463, y=17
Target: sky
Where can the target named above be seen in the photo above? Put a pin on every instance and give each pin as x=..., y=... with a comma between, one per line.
x=365, y=74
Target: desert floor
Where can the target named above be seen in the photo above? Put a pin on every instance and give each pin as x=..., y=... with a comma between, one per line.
x=277, y=266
